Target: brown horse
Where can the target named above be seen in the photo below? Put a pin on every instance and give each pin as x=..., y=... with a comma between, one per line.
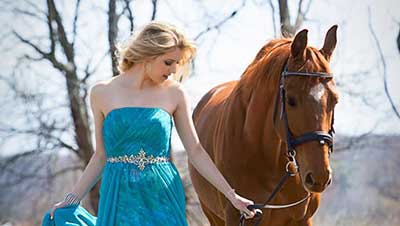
x=240, y=124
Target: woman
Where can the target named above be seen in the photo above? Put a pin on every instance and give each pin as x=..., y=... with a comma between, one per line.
x=133, y=115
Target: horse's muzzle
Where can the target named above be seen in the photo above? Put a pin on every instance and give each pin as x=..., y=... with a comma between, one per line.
x=317, y=184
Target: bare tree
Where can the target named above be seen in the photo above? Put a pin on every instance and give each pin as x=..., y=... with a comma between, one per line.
x=61, y=54
x=287, y=28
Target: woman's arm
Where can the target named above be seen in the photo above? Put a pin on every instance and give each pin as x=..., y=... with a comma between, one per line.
x=94, y=168
x=199, y=157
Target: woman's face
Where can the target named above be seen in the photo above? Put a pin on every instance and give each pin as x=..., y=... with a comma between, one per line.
x=163, y=66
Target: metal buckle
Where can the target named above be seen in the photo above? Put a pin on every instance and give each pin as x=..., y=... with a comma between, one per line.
x=292, y=160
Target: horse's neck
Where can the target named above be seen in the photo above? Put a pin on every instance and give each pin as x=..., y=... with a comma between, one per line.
x=256, y=106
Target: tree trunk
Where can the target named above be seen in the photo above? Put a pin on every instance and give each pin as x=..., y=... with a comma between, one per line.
x=287, y=29
x=112, y=34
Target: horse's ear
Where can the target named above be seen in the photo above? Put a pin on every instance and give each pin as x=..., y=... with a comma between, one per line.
x=299, y=44
x=329, y=43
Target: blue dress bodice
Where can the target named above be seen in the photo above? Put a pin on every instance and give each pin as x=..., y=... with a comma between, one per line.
x=127, y=130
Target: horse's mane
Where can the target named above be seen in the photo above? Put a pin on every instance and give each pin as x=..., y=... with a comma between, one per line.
x=270, y=60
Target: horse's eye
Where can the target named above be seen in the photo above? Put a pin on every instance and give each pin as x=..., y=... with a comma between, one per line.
x=291, y=102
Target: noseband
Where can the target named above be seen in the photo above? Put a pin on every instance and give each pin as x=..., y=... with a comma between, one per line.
x=292, y=142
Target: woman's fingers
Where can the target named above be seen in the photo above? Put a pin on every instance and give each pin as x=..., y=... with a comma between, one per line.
x=52, y=213
x=241, y=204
x=56, y=206
x=249, y=214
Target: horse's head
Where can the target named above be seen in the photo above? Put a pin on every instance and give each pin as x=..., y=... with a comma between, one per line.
x=305, y=106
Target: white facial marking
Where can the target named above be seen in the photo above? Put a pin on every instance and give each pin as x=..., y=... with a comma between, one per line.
x=317, y=92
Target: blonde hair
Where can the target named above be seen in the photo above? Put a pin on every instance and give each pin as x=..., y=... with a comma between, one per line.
x=155, y=39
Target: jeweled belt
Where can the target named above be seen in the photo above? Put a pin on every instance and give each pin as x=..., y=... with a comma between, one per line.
x=141, y=159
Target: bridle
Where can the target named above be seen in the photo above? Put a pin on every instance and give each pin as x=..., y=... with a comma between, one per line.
x=292, y=142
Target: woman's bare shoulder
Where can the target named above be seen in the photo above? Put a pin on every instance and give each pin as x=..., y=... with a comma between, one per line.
x=176, y=92
x=174, y=86
x=102, y=86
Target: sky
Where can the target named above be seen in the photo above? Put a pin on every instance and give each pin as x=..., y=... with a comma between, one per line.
x=224, y=54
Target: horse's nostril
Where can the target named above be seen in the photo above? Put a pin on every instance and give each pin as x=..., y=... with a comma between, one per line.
x=309, y=179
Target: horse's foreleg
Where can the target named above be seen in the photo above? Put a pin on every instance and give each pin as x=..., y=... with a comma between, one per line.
x=212, y=218
x=305, y=222
x=312, y=208
x=231, y=216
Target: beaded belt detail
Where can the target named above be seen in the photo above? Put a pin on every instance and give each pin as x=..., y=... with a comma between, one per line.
x=141, y=160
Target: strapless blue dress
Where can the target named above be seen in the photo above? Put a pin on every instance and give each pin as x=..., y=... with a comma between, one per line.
x=140, y=185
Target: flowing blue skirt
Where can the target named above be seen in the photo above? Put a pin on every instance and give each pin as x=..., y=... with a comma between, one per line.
x=130, y=196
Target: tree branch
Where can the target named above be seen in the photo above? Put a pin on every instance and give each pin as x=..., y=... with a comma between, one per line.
x=130, y=14
x=153, y=14
x=74, y=24
x=20, y=177
x=17, y=156
x=48, y=56
x=50, y=18
x=355, y=140
x=28, y=13
x=286, y=27
x=273, y=16
x=299, y=17
x=90, y=71
x=61, y=34
x=221, y=23
x=378, y=45
x=43, y=130
x=35, y=7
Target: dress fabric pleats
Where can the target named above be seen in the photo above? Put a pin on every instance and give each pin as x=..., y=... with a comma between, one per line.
x=140, y=185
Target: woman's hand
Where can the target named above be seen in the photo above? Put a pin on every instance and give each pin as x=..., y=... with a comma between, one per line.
x=56, y=206
x=241, y=204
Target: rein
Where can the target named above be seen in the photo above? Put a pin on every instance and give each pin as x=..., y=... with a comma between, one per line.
x=291, y=141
